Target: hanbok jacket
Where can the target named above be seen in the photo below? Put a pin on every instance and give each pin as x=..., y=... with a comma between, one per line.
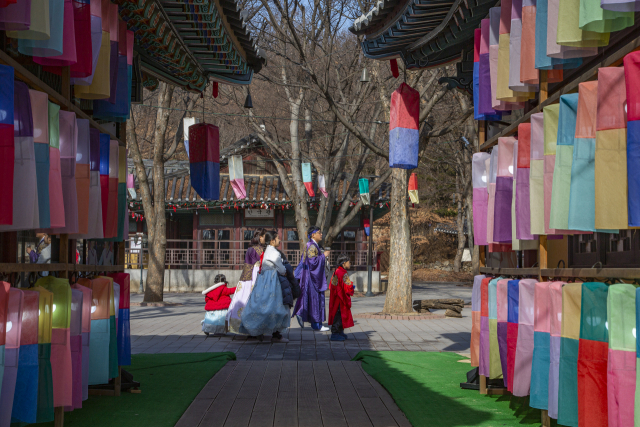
x=218, y=298
x=342, y=288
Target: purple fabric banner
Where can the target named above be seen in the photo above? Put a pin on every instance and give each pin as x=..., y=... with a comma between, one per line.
x=502, y=232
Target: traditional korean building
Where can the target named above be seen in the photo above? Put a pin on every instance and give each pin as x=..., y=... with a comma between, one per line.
x=215, y=234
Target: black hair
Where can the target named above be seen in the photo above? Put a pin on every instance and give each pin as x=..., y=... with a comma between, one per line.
x=342, y=258
x=312, y=230
x=255, y=240
x=269, y=236
x=220, y=278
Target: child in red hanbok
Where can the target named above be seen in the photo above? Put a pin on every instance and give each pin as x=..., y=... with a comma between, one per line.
x=342, y=289
x=218, y=301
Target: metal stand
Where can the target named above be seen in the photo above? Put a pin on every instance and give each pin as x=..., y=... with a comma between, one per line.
x=370, y=255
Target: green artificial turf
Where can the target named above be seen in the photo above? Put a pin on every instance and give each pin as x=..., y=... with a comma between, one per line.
x=426, y=387
x=169, y=383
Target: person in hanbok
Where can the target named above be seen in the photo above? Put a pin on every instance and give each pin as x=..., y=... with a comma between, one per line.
x=342, y=289
x=107, y=255
x=247, y=280
x=313, y=282
x=266, y=312
x=34, y=254
x=92, y=254
x=217, y=303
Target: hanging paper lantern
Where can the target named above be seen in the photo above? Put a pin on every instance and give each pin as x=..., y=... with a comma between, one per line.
x=475, y=320
x=236, y=176
x=204, y=158
x=524, y=347
x=484, y=358
x=25, y=200
x=495, y=365
x=367, y=226
x=25, y=407
x=83, y=285
x=555, y=316
x=68, y=150
x=306, y=179
x=11, y=352
x=503, y=326
x=570, y=339
x=413, y=188
x=40, y=110
x=123, y=329
x=83, y=180
x=44, y=378
x=75, y=333
x=363, y=183
x=7, y=145
x=56, y=198
x=592, y=356
x=621, y=378
x=541, y=342
x=403, y=128
x=322, y=186
x=187, y=122
x=100, y=334
x=60, y=339
x=17, y=16
x=44, y=40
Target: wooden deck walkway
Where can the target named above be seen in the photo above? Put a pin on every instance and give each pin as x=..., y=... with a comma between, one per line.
x=293, y=394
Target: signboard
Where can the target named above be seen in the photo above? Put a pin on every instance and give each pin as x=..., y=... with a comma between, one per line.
x=258, y=213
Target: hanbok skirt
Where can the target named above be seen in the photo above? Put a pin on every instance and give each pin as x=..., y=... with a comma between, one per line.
x=239, y=302
x=265, y=313
x=214, y=322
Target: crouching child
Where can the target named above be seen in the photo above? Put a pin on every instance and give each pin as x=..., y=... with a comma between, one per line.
x=217, y=299
x=341, y=290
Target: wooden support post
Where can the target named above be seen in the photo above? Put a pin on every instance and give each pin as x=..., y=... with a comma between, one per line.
x=482, y=133
x=117, y=382
x=545, y=420
x=483, y=384
x=64, y=254
x=542, y=254
x=544, y=86
x=58, y=416
x=483, y=256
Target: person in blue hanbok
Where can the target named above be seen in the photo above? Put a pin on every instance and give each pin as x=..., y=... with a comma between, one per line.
x=313, y=283
x=266, y=311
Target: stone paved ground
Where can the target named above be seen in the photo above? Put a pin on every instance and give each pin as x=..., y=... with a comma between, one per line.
x=177, y=330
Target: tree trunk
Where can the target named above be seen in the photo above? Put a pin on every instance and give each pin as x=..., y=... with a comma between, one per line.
x=399, y=295
x=154, y=285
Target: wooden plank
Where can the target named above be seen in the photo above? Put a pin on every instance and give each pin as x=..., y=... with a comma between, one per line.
x=34, y=82
x=286, y=409
x=626, y=46
x=58, y=416
x=331, y=412
x=352, y=407
x=240, y=413
x=251, y=385
x=289, y=377
x=377, y=412
x=308, y=407
x=18, y=268
x=217, y=413
x=216, y=383
x=510, y=271
x=359, y=381
x=483, y=384
x=194, y=413
x=611, y=273
x=396, y=413
x=265, y=407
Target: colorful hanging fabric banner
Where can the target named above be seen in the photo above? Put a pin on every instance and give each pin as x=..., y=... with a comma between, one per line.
x=83, y=172
x=476, y=301
x=67, y=54
x=25, y=192
x=68, y=151
x=476, y=80
x=7, y=145
x=404, y=138
x=40, y=110
x=480, y=180
x=503, y=326
x=484, y=328
x=236, y=176
x=105, y=147
x=536, y=174
x=367, y=226
x=522, y=199
x=100, y=333
x=204, y=159
x=528, y=72
x=98, y=85
x=611, y=151
x=413, y=188
x=544, y=62
x=11, y=353
x=495, y=365
x=524, y=347
x=44, y=379
x=515, y=52
x=570, y=339
x=593, y=356
x=187, y=122
x=56, y=198
x=96, y=42
x=555, y=289
x=37, y=43
x=322, y=186
x=593, y=17
x=123, y=329
x=568, y=28
x=632, y=80
x=363, y=184
x=491, y=189
x=25, y=402
x=621, y=372
x=512, y=329
x=75, y=335
x=484, y=75
x=96, y=224
x=4, y=313
x=541, y=347
x=131, y=188
x=555, y=50
x=504, y=92
x=86, y=333
x=504, y=191
x=307, y=179
x=112, y=213
x=19, y=17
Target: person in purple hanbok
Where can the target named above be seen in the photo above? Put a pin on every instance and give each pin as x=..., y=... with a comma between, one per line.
x=313, y=282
